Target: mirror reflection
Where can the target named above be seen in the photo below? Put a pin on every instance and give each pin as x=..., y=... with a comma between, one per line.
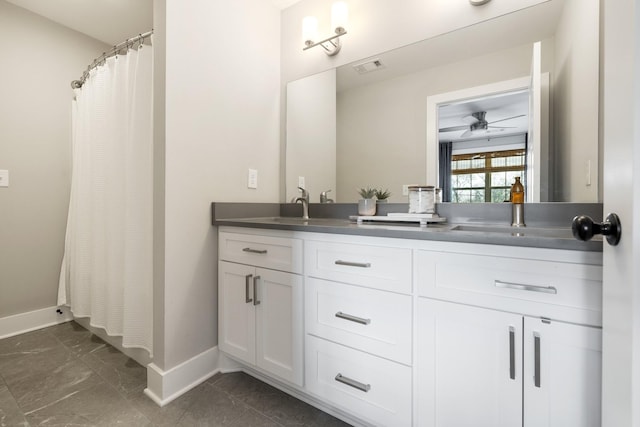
x=387, y=133
x=482, y=146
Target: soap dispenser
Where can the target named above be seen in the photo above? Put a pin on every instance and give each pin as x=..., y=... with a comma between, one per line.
x=517, y=204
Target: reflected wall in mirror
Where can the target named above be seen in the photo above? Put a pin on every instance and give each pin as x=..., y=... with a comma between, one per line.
x=311, y=136
x=382, y=122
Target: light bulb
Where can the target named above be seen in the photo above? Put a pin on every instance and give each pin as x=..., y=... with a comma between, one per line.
x=339, y=17
x=309, y=29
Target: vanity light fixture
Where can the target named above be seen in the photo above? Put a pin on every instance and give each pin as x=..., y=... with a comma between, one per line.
x=331, y=45
x=479, y=2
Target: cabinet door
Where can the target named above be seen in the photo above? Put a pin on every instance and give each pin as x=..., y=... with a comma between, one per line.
x=279, y=325
x=469, y=366
x=563, y=373
x=236, y=316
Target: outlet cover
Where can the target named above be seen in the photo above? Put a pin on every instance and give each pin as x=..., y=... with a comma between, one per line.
x=4, y=178
x=252, y=179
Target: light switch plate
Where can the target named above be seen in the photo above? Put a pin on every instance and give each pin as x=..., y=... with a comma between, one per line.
x=301, y=182
x=252, y=179
x=4, y=178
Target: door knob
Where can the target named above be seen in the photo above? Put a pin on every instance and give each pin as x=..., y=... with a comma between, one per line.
x=584, y=228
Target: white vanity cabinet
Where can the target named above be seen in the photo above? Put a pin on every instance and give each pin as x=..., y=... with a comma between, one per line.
x=359, y=315
x=402, y=332
x=260, y=308
x=505, y=341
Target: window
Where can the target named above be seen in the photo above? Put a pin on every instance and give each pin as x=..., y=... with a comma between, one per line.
x=485, y=177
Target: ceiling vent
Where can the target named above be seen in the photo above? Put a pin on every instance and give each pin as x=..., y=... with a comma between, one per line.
x=369, y=66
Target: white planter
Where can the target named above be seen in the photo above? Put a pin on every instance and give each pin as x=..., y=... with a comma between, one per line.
x=367, y=207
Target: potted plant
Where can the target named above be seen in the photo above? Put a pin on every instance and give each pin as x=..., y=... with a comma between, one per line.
x=382, y=195
x=367, y=204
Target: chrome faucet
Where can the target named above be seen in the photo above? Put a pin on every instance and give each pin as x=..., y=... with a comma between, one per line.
x=324, y=198
x=304, y=199
x=517, y=203
x=517, y=215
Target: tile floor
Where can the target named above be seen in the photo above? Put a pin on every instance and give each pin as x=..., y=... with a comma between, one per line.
x=66, y=376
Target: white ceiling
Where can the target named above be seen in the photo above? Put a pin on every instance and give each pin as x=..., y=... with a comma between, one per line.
x=110, y=21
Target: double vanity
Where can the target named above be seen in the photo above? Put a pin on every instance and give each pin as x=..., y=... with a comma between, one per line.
x=452, y=324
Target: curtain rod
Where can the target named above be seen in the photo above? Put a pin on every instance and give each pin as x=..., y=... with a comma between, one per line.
x=77, y=84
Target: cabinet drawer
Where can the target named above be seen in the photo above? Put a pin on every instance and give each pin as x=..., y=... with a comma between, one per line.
x=277, y=253
x=374, y=321
x=558, y=290
x=376, y=267
x=371, y=388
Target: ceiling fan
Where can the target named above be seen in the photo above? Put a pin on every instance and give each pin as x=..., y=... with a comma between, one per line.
x=477, y=124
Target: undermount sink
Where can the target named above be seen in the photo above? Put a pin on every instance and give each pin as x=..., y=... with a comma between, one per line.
x=558, y=233
x=302, y=221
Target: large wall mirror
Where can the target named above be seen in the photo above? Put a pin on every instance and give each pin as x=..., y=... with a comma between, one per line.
x=390, y=109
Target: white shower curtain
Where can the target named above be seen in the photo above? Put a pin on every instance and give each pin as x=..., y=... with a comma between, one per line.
x=106, y=271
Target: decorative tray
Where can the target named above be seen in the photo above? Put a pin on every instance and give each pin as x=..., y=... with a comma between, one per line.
x=423, y=219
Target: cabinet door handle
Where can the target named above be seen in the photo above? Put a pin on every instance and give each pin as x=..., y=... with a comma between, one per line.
x=352, y=318
x=512, y=352
x=536, y=359
x=255, y=251
x=247, y=280
x=353, y=383
x=255, y=290
x=520, y=286
x=353, y=264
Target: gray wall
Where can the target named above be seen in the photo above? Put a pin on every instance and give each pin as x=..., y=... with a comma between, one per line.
x=221, y=105
x=39, y=60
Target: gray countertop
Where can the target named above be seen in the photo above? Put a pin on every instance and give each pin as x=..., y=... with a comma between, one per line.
x=552, y=237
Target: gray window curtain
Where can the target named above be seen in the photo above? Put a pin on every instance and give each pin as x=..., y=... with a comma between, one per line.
x=444, y=180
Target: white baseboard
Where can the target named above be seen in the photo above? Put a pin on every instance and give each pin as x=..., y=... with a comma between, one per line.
x=33, y=320
x=165, y=386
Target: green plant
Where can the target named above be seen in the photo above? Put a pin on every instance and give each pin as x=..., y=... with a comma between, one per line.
x=382, y=194
x=367, y=193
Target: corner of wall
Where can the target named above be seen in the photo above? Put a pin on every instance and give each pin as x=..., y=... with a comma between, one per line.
x=165, y=386
x=159, y=83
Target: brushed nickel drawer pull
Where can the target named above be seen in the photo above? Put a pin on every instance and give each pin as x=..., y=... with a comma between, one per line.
x=352, y=318
x=255, y=251
x=536, y=359
x=533, y=288
x=353, y=264
x=512, y=352
x=353, y=383
x=255, y=290
x=247, y=283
